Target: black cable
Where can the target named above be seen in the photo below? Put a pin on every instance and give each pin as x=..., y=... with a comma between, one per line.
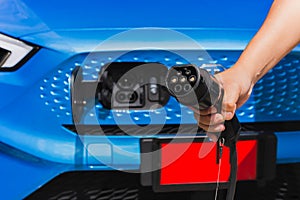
x=203, y=92
x=233, y=172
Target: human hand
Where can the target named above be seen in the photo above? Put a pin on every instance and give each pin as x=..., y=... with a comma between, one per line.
x=237, y=85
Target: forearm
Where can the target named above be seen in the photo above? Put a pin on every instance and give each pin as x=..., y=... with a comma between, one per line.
x=279, y=34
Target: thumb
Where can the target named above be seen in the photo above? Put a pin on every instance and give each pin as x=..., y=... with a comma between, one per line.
x=230, y=99
x=229, y=104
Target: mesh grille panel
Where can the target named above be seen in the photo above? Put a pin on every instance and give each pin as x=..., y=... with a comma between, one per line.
x=99, y=194
x=100, y=185
x=114, y=185
x=284, y=187
x=119, y=194
x=275, y=97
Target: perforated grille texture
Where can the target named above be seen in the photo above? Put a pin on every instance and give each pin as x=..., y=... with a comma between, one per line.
x=114, y=185
x=100, y=185
x=274, y=98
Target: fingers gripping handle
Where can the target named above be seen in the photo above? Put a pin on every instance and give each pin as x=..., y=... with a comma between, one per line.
x=232, y=127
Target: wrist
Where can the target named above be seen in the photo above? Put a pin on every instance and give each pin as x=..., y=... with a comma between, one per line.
x=246, y=72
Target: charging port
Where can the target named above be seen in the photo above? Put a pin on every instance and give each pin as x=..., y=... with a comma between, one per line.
x=132, y=85
x=120, y=85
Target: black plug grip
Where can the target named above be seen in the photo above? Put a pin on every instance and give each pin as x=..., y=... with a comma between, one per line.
x=195, y=87
x=231, y=132
x=232, y=127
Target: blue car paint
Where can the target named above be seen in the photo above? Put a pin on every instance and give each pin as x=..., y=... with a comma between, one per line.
x=21, y=174
x=35, y=147
x=19, y=18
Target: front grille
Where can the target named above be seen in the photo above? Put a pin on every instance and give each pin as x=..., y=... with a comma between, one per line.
x=115, y=185
x=134, y=129
x=284, y=187
x=99, y=194
x=100, y=185
x=275, y=97
x=116, y=194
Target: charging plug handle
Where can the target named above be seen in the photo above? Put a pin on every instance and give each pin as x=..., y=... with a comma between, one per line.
x=215, y=92
x=203, y=92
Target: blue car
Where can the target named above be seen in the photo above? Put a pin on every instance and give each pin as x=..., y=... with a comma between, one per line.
x=65, y=135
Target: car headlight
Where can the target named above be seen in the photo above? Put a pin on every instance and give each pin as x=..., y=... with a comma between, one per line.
x=13, y=53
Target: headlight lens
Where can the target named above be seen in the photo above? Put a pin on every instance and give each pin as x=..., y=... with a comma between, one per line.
x=12, y=52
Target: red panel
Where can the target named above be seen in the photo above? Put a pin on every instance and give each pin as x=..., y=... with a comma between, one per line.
x=247, y=159
x=182, y=164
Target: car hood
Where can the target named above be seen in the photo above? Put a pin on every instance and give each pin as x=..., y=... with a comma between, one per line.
x=67, y=21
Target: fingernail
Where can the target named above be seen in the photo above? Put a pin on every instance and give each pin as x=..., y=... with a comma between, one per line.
x=213, y=110
x=219, y=118
x=213, y=137
x=228, y=115
x=220, y=128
